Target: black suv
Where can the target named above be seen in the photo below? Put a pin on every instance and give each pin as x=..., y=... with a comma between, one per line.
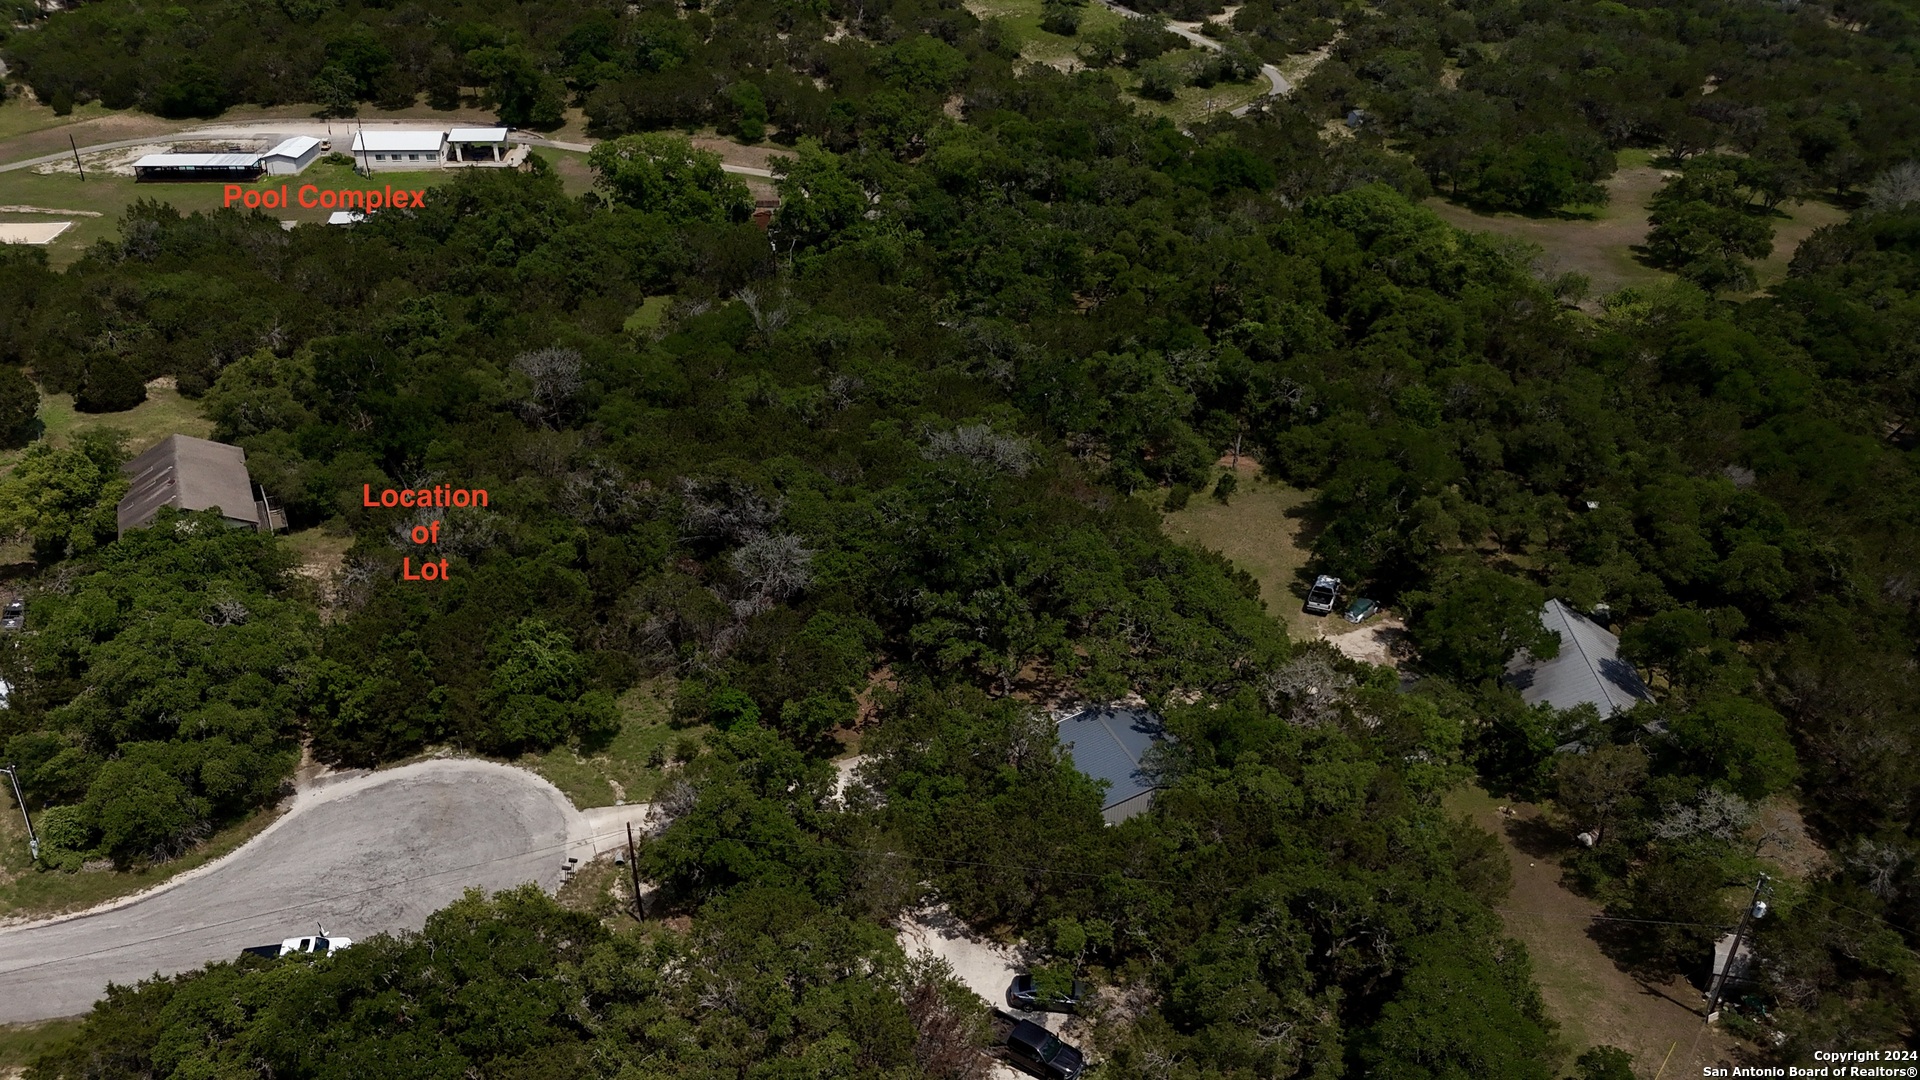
x=1041, y=1052
x=1027, y=995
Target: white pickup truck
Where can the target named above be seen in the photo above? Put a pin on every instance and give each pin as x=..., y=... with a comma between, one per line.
x=320, y=945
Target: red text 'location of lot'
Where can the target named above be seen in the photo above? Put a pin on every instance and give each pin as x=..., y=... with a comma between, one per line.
x=438, y=495
x=426, y=533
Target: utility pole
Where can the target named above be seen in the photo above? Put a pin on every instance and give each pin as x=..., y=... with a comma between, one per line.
x=633, y=871
x=1755, y=910
x=76, y=159
x=33, y=839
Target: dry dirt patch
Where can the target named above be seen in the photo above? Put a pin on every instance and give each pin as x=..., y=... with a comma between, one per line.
x=1380, y=640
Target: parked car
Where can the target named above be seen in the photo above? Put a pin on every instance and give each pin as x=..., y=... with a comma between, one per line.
x=319, y=945
x=1361, y=610
x=1324, y=594
x=1035, y=1049
x=14, y=617
x=1027, y=993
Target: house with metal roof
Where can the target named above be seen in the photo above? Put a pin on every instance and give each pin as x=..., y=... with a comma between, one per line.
x=224, y=167
x=1588, y=670
x=383, y=150
x=196, y=474
x=291, y=156
x=1112, y=743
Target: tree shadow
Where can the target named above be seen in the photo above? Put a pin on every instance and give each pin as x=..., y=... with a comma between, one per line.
x=1485, y=208
x=1535, y=837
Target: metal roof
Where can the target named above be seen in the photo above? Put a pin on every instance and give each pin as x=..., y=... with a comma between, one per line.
x=198, y=161
x=386, y=142
x=192, y=474
x=297, y=147
x=1587, y=671
x=1107, y=743
x=478, y=135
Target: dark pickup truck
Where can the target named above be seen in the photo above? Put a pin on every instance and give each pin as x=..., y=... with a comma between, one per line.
x=1035, y=1049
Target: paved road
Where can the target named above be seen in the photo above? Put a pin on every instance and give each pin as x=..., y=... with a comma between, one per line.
x=1277, y=84
x=272, y=131
x=362, y=854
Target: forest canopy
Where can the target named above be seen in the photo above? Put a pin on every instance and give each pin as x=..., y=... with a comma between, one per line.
x=896, y=465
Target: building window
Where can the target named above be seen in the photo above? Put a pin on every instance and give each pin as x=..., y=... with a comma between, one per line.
x=379, y=157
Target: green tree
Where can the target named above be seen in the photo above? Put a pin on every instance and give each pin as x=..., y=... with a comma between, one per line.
x=334, y=90
x=1604, y=1063
x=1061, y=16
x=1591, y=788
x=65, y=500
x=1705, y=229
x=1740, y=742
x=19, y=406
x=1461, y=1014
x=664, y=174
x=820, y=201
x=1472, y=620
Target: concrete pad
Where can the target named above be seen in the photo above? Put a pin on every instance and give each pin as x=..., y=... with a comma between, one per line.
x=32, y=232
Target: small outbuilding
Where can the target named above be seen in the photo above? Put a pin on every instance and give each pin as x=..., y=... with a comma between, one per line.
x=1588, y=670
x=291, y=157
x=477, y=145
x=225, y=168
x=196, y=474
x=397, y=151
x=1111, y=743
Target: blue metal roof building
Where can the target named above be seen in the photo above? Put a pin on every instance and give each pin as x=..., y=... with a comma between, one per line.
x=1108, y=743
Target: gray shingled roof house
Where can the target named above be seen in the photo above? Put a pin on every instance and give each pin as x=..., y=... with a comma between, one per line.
x=195, y=474
x=1108, y=743
x=1588, y=670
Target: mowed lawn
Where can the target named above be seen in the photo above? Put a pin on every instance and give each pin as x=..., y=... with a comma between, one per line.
x=164, y=413
x=1259, y=530
x=109, y=197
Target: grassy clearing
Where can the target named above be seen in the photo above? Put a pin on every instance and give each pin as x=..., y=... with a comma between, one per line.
x=110, y=196
x=634, y=765
x=22, y=116
x=1598, y=241
x=1260, y=531
x=29, y=892
x=164, y=413
x=1594, y=1001
x=21, y=1043
x=1799, y=222
x=1037, y=46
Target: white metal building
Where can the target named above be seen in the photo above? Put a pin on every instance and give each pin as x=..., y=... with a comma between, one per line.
x=476, y=145
x=396, y=151
x=197, y=167
x=291, y=156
